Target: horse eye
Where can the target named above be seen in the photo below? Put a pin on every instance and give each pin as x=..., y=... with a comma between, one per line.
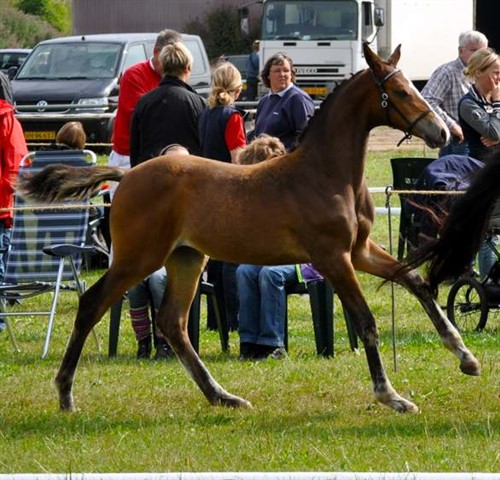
x=402, y=93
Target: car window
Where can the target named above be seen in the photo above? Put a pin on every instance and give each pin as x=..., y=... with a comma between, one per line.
x=11, y=59
x=199, y=67
x=72, y=61
x=135, y=54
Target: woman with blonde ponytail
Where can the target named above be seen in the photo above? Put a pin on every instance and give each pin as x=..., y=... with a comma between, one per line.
x=222, y=136
x=221, y=127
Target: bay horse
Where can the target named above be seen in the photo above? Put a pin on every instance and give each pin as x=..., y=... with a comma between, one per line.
x=310, y=205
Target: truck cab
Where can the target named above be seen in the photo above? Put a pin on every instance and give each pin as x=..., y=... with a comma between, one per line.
x=323, y=38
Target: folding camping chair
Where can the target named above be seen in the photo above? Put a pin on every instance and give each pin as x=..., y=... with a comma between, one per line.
x=46, y=247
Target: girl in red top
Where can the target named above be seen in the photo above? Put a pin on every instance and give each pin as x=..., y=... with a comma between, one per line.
x=222, y=137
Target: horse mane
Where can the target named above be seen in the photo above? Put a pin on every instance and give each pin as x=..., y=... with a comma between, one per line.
x=324, y=106
x=462, y=232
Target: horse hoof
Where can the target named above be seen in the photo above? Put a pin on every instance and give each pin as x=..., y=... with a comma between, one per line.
x=66, y=404
x=397, y=402
x=402, y=405
x=232, y=401
x=471, y=367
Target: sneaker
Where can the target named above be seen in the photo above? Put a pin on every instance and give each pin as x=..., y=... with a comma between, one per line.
x=163, y=351
x=144, y=348
x=278, y=354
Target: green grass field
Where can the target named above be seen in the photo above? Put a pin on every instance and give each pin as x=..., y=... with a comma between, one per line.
x=310, y=413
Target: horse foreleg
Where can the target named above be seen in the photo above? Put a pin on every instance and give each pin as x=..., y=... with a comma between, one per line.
x=92, y=306
x=184, y=267
x=378, y=262
x=342, y=276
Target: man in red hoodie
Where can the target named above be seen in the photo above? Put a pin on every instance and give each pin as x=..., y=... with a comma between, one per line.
x=135, y=82
x=12, y=150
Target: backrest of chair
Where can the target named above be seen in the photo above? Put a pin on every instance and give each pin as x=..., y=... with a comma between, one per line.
x=34, y=229
x=406, y=170
x=405, y=173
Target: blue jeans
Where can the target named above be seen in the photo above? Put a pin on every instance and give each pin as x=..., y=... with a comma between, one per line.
x=262, y=297
x=4, y=245
x=151, y=289
x=486, y=257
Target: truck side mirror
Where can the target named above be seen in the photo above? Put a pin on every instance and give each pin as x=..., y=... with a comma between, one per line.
x=379, y=17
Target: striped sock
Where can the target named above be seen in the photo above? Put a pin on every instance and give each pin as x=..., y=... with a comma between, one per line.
x=141, y=323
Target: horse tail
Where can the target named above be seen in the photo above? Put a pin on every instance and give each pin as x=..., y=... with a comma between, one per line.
x=64, y=182
x=451, y=254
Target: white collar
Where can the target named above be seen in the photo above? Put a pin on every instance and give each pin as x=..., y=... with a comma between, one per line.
x=282, y=92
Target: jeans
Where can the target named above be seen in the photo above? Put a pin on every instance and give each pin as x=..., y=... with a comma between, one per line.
x=4, y=245
x=262, y=297
x=486, y=257
x=148, y=292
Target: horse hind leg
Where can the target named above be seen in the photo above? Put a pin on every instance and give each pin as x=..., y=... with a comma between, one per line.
x=343, y=278
x=184, y=267
x=92, y=306
x=380, y=263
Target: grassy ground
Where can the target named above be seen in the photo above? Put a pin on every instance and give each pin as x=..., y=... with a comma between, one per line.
x=310, y=413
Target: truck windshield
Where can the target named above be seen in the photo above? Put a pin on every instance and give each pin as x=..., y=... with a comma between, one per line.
x=312, y=20
x=72, y=61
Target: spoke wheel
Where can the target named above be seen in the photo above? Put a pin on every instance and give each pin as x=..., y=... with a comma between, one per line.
x=467, y=305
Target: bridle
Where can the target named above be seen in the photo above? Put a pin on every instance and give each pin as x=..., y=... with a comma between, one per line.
x=387, y=104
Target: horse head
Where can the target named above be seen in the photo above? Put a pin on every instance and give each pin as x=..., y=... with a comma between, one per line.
x=400, y=104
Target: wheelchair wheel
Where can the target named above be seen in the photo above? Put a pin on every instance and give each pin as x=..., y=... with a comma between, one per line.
x=467, y=305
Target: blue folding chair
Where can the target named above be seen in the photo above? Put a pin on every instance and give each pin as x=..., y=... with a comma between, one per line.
x=47, y=243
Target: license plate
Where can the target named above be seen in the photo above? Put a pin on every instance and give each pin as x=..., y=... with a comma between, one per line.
x=41, y=135
x=316, y=90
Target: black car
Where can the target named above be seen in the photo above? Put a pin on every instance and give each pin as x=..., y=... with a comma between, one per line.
x=12, y=58
x=77, y=78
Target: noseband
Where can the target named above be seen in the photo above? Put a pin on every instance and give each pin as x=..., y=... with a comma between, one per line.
x=387, y=104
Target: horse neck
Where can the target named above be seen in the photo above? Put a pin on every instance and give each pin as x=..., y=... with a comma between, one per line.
x=336, y=141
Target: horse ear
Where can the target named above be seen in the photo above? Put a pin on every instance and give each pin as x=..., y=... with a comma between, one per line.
x=395, y=56
x=371, y=57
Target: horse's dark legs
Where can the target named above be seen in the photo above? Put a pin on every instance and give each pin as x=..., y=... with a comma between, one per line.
x=376, y=261
x=92, y=306
x=184, y=267
x=342, y=276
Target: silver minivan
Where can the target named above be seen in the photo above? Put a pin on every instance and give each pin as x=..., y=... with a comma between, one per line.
x=77, y=78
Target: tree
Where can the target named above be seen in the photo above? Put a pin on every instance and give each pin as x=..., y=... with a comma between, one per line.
x=56, y=12
x=220, y=31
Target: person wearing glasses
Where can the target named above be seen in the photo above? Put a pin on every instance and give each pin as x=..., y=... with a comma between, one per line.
x=285, y=111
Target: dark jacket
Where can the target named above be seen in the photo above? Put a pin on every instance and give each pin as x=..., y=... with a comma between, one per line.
x=167, y=114
x=212, y=128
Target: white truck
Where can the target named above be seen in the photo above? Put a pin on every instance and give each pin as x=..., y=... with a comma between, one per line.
x=324, y=37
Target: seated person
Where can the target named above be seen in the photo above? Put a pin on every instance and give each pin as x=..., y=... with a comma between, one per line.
x=71, y=136
x=144, y=296
x=261, y=289
x=147, y=295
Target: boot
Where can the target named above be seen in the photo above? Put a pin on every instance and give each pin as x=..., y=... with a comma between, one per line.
x=144, y=348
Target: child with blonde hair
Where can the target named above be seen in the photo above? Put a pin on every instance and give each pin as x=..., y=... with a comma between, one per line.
x=261, y=148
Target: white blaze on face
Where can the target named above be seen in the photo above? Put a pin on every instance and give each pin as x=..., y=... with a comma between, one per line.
x=437, y=117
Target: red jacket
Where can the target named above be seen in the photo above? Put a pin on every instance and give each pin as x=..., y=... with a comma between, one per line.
x=135, y=82
x=12, y=150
